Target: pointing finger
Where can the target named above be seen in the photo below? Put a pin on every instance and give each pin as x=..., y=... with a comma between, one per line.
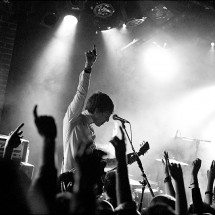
x=94, y=49
x=18, y=128
x=35, y=112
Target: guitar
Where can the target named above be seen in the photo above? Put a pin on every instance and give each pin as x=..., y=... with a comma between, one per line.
x=144, y=147
x=131, y=158
x=67, y=178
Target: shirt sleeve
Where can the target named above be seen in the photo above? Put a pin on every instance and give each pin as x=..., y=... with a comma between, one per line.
x=77, y=104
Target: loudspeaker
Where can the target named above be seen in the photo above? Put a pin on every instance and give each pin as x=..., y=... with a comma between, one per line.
x=20, y=154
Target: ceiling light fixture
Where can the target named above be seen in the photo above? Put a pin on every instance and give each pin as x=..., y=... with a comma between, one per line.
x=103, y=10
x=160, y=14
x=132, y=14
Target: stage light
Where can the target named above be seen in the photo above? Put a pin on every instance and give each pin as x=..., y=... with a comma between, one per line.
x=132, y=14
x=49, y=19
x=212, y=45
x=160, y=14
x=70, y=20
x=103, y=10
x=160, y=63
x=106, y=24
x=106, y=15
x=67, y=27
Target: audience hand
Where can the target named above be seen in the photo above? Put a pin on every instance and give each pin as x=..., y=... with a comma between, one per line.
x=211, y=171
x=166, y=163
x=14, y=139
x=176, y=171
x=196, y=166
x=45, y=125
x=119, y=145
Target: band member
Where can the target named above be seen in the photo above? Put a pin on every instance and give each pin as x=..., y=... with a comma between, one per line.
x=77, y=122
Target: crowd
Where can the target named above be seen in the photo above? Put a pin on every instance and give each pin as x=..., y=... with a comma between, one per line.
x=19, y=195
x=76, y=191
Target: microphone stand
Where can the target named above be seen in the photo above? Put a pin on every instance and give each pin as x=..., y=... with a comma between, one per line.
x=141, y=198
x=145, y=180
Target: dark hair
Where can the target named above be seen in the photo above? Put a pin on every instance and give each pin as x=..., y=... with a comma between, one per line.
x=164, y=198
x=206, y=208
x=159, y=209
x=100, y=101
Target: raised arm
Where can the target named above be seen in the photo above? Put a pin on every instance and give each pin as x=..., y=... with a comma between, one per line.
x=77, y=104
x=44, y=188
x=181, y=200
x=194, y=185
x=12, y=142
x=124, y=198
x=210, y=176
x=167, y=181
x=48, y=131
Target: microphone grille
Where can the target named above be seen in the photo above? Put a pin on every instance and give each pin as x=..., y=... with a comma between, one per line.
x=114, y=116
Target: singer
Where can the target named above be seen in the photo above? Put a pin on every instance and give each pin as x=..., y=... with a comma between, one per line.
x=77, y=122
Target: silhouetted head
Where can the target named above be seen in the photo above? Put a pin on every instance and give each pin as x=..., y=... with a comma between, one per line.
x=163, y=199
x=206, y=208
x=159, y=209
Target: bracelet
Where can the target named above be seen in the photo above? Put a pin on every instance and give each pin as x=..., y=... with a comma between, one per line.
x=209, y=192
x=87, y=70
x=167, y=179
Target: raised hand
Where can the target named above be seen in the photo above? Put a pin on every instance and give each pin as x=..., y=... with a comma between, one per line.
x=166, y=163
x=196, y=166
x=45, y=125
x=176, y=171
x=210, y=182
x=119, y=145
x=211, y=171
x=14, y=139
x=91, y=56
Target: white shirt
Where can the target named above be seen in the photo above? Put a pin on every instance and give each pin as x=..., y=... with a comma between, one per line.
x=76, y=124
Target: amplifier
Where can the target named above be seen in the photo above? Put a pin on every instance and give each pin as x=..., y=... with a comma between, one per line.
x=27, y=168
x=20, y=154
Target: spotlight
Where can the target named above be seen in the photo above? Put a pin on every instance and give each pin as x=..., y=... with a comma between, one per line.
x=49, y=19
x=103, y=10
x=70, y=19
x=106, y=15
x=160, y=14
x=212, y=44
x=132, y=14
x=73, y=13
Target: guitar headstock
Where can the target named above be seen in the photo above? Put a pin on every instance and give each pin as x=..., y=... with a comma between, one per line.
x=144, y=147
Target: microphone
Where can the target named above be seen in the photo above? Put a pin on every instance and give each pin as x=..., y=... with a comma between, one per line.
x=115, y=117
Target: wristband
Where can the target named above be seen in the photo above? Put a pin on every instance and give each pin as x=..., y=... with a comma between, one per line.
x=167, y=179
